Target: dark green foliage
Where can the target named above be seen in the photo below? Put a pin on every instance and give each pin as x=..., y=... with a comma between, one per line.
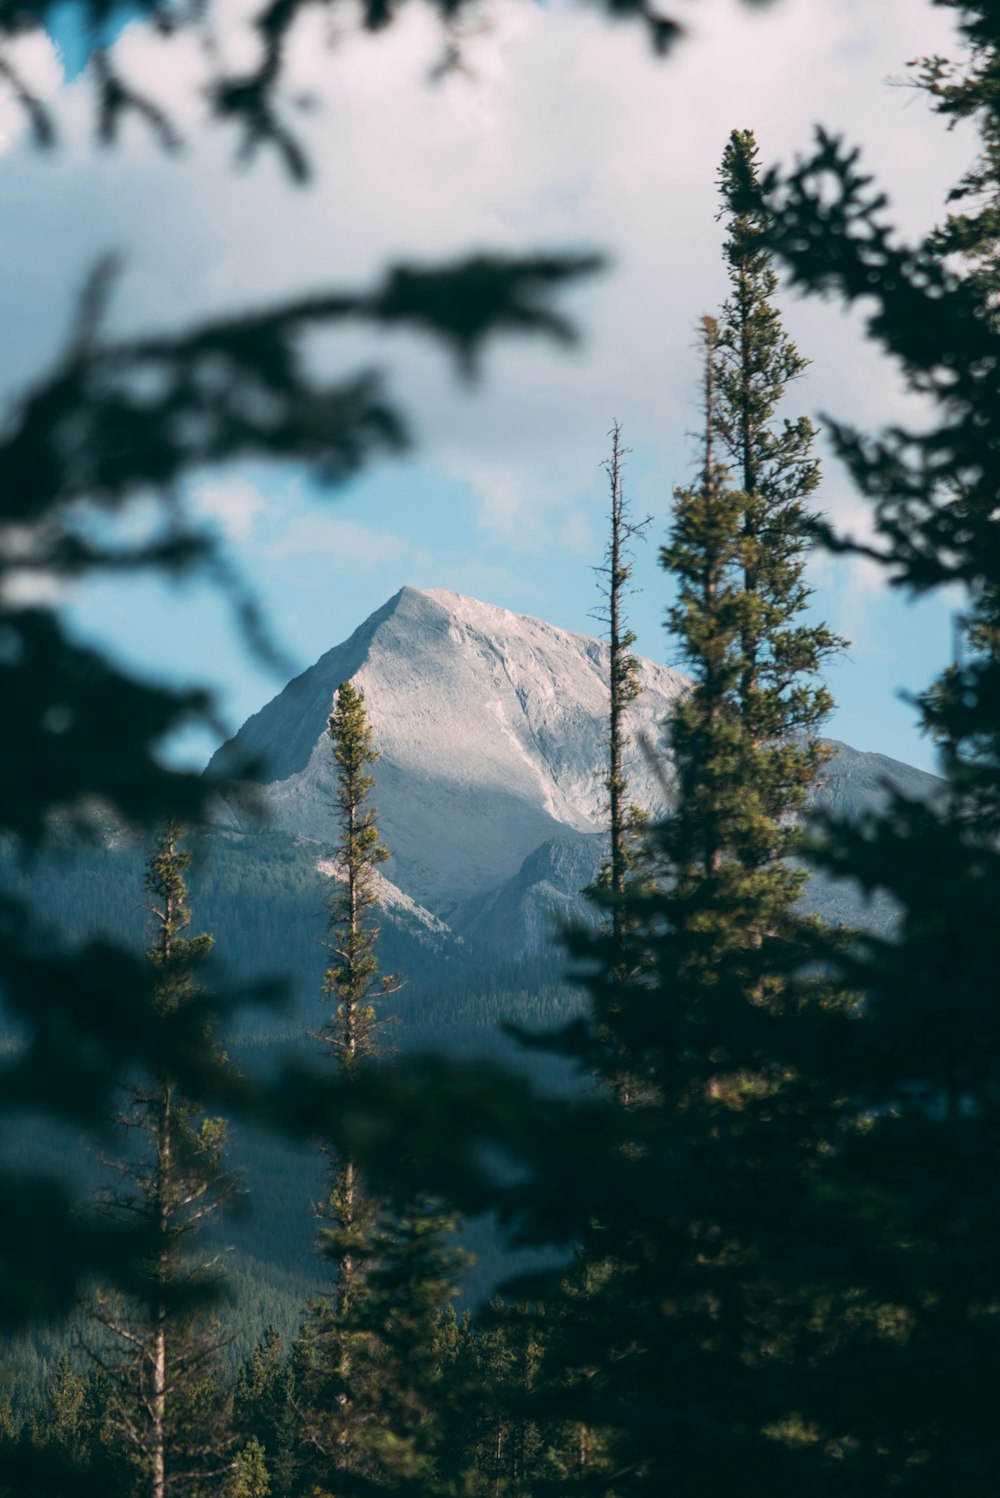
x=915, y=1191
x=773, y=467
x=157, y=1350
x=698, y=1196
x=265, y=1414
x=507, y=1349
x=352, y=986
x=371, y=1358
x=625, y=821
x=64, y=1446
x=250, y=1478
x=673, y=1352
x=63, y=1424
x=375, y=1382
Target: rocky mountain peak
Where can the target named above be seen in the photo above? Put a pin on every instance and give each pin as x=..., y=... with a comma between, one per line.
x=492, y=731
x=491, y=728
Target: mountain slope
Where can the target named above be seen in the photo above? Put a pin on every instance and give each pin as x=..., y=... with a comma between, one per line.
x=491, y=729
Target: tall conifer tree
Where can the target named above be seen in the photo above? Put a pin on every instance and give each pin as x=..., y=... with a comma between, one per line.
x=916, y=1189
x=770, y=461
x=571, y=1447
x=372, y=1358
x=624, y=678
x=157, y=1352
x=684, y=1359
x=352, y=982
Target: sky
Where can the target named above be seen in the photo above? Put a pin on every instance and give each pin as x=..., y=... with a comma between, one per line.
x=561, y=133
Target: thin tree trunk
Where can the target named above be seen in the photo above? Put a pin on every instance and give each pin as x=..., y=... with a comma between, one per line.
x=751, y=643
x=713, y=853
x=617, y=666
x=164, y=1165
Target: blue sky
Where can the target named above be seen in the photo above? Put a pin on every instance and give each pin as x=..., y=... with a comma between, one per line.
x=564, y=133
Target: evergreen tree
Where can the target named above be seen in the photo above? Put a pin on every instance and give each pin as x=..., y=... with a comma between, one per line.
x=681, y=1360
x=916, y=1188
x=264, y=1417
x=352, y=982
x=61, y=1427
x=157, y=1350
x=527, y=1340
x=250, y=1478
x=371, y=1358
x=508, y=1451
x=624, y=679
x=773, y=466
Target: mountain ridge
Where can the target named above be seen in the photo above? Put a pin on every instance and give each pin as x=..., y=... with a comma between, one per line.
x=491, y=727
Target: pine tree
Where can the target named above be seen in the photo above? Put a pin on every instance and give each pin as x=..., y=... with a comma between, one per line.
x=570, y=1449
x=781, y=703
x=264, y=1416
x=370, y=1358
x=250, y=1477
x=684, y=1354
x=916, y=1187
x=771, y=463
x=508, y=1452
x=352, y=982
x=624, y=678
x=157, y=1349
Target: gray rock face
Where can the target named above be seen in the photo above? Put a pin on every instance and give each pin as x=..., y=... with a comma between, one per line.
x=546, y=892
x=855, y=782
x=492, y=731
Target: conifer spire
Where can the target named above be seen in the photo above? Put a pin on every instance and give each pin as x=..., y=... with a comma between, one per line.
x=156, y=1351
x=371, y=1361
x=781, y=700
x=352, y=979
x=691, y=1189
x=625, y=821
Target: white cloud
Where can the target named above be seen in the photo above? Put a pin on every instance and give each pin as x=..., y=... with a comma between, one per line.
x=565, y=134
x=344, y=542
x=234, y=505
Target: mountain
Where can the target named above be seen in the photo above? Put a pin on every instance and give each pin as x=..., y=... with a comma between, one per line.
x=491, y=727
x=491, y=730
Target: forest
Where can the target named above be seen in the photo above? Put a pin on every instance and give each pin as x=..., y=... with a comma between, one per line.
x=731, y=1169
